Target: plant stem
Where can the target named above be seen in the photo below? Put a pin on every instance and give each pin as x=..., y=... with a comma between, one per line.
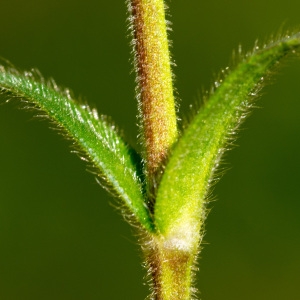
x=171, y=269
x=154, y=76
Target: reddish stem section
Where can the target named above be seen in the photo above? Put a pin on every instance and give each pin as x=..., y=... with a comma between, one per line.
x=156, y=100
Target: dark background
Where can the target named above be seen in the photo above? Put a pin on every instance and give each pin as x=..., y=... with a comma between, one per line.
x=59, y=236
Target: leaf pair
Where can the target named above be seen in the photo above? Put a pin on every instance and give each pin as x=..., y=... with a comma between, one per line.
x=179, y=207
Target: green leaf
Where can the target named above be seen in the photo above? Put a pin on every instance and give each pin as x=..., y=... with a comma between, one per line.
x=96, y=137
x=180, y=209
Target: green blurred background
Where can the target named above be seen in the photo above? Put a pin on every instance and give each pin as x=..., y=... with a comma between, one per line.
x=60, y=237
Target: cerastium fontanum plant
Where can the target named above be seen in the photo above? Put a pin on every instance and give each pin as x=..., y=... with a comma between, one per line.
x=165, y=188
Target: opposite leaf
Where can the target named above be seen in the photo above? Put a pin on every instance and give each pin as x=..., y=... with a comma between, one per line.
x=98, y=139
x=179, y=209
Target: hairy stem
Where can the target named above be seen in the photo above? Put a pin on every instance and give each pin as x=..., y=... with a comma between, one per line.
x=171, y=270
x=155, y=88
